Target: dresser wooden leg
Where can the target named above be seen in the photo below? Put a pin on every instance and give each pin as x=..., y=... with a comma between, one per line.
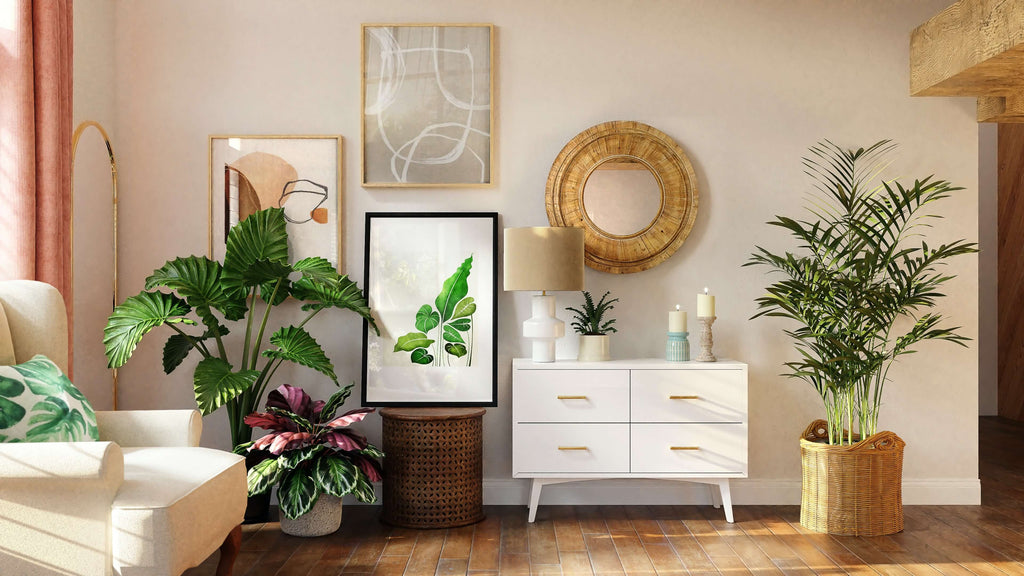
x=723, y=488
x=535, y=497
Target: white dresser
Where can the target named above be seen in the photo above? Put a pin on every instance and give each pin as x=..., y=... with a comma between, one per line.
x=575, y=421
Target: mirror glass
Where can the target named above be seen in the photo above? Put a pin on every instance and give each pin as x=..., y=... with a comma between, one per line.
x=622, y=196
x=94, y=260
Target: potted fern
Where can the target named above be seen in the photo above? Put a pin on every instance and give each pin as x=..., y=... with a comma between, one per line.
x=860, y=288
x=594, y=330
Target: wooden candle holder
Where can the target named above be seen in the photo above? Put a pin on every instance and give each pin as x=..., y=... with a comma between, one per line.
x=706, y=339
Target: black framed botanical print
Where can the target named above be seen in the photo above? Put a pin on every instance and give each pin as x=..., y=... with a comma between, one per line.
x=432, y=283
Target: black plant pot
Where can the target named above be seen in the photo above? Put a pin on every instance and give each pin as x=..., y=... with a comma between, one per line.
x=257, y=508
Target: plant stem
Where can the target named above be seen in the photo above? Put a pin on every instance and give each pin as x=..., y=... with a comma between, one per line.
x=248, y=329
x=263, y=326
x=191, y=341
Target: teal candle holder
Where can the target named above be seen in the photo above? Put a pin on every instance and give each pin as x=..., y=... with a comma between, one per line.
x=677, y=347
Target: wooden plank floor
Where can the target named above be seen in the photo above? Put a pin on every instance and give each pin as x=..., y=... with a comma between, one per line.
x=986, y=540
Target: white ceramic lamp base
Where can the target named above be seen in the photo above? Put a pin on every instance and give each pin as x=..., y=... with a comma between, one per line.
x=543, y=328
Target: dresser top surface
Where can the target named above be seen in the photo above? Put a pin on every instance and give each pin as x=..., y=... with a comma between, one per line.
x=627, y=364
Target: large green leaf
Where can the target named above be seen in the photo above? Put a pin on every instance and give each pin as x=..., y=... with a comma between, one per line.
x=412, y=341
x=297, y=493
x=462, y=324
x=363, y=490
x=176, y=349
x=457, y=350
x=318, y=268
x=10, y=413
x=215, y=383
x=335, y=475
x=454, y=290
x=320, y=291
x=291, y=459
x=134, y=318
x=11, y=387
x=54, y=421
x=197, y=279
x=465, y=307
x=261, y=237
x=334, y=402
x=263, y=476
x=452, y=335
x=427, y=319
x=421, y=356
x=296, y=345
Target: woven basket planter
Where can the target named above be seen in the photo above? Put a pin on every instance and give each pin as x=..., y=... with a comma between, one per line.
x=854, y=490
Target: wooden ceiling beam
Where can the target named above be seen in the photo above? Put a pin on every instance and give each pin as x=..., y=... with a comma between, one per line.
x=972, y=48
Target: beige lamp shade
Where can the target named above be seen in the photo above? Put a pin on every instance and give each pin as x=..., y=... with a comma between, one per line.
x=544, y=258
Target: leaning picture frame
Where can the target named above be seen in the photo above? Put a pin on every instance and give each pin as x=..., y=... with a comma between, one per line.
x=431, y=279
x=427, y=104
x=301, y=174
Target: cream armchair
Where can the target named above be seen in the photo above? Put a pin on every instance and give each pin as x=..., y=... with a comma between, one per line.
x=144, y=500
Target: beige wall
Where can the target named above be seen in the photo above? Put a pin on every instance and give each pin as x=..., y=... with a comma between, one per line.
x=93, y=201
x=743, y=86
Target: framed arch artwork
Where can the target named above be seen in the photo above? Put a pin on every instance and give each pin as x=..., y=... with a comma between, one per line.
x=301, y=174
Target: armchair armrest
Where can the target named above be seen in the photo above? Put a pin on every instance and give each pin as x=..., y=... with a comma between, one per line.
x=55, y=503
x=140, y=428
x=82, y=463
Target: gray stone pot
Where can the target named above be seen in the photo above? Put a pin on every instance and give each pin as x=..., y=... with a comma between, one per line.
x=323, y=519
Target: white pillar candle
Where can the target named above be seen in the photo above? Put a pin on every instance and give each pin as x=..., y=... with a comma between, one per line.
x=677, y=320
x=705, y=305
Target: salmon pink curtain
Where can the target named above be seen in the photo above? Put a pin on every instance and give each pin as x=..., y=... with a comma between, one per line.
x=35, y=142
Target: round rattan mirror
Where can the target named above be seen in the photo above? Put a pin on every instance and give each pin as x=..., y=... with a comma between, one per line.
x=651, y=237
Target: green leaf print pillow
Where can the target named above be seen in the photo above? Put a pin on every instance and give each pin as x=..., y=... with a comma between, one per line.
x=39, y=404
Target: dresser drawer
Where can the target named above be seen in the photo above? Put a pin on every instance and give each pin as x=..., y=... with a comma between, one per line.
x=688, y=448
x=571, y=396
x=688, y=396
x=571, y=448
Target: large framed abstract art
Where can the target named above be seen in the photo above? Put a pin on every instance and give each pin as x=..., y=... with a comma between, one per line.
x=432, y=283
x=300, y=174
x=427, y=103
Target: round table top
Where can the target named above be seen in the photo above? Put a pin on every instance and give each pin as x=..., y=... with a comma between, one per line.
x=402, y=413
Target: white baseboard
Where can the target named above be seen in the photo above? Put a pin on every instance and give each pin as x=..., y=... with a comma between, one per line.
x=744, y=491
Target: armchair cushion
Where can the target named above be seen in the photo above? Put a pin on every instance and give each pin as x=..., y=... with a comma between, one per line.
x=139, y=428
x=174, y=508
x=39, y=404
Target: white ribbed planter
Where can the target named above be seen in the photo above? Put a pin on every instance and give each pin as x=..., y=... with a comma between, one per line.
x=323, y=519
x=594, y=348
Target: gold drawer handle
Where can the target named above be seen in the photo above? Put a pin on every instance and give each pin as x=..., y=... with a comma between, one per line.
x=684, y=448
x=573, y=448
x=684, y=397
x=572, y=397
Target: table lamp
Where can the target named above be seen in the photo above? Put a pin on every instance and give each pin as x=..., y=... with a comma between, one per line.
x=542, y=259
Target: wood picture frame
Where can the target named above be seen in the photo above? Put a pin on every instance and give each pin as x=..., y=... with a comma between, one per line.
x=427, y=105
x=300, y=173
x=431, y=279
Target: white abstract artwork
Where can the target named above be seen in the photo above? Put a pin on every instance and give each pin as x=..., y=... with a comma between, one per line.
x=427, y=113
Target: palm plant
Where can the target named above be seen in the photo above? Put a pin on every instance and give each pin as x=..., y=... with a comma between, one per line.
x=861, y=269
x=255, y=263
x=590, y=319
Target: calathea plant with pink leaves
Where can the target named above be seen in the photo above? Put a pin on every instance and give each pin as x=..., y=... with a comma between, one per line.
x=312, y=451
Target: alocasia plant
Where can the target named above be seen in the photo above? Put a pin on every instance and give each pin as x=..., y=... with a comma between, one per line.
x=451, y=321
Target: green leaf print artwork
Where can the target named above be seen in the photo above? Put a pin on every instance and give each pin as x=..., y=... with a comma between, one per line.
x=450, y=319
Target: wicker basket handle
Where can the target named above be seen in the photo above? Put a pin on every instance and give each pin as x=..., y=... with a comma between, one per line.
x=885, y=440
x=880, y=441
x=815, y=431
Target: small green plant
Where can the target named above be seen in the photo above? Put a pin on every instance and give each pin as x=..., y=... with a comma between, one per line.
x=453, y=320
x=590, y=320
